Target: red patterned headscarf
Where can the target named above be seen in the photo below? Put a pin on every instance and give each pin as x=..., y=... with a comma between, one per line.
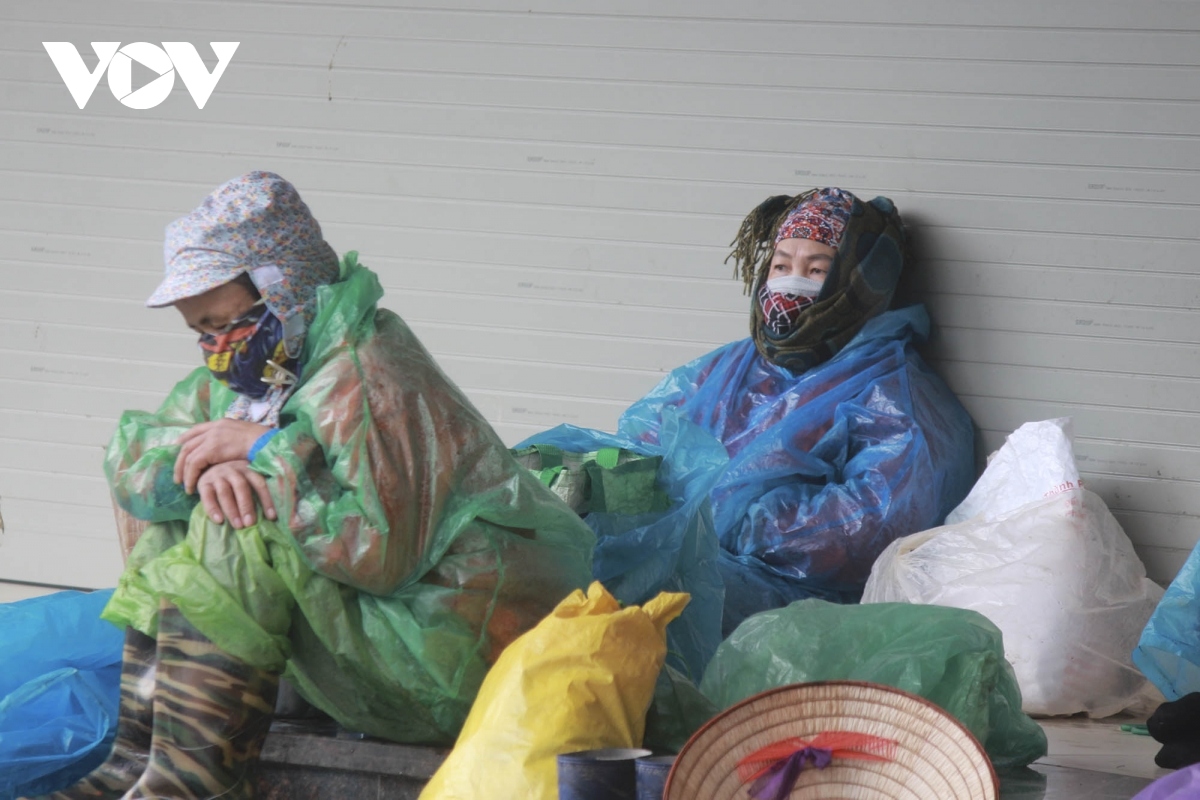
x=822, y=217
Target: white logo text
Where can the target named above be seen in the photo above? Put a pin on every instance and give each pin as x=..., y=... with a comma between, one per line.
x=172, y=57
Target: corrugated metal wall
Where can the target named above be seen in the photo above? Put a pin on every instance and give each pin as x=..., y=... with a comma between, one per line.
x=547, y=191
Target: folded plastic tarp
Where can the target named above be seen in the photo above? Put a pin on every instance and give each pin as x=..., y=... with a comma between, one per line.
x=60, y=670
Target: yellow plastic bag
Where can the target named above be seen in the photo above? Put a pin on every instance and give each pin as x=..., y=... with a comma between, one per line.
x=582, y=679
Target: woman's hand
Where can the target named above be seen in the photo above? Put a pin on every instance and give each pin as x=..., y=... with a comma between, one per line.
x=212, y=443
x=228, y=490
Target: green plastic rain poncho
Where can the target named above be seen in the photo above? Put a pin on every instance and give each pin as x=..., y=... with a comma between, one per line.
x=410, y=548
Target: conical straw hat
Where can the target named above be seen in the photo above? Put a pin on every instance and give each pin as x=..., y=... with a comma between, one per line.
x=935, y=757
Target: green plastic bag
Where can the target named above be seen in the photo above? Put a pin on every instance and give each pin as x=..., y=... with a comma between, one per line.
x=610, y=480
x=950, y=656
x=678, y=711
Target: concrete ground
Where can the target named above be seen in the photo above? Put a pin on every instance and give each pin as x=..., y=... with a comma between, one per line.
x=1087, y=760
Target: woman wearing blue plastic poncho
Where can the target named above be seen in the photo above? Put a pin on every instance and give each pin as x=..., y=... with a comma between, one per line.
x=358, y=526
x=839, y=439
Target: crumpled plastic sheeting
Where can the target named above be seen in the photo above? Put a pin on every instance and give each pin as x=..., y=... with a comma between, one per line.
x=950, y=656
x=1169, y=650
x=60, y=670
x=638, y=556
x=1181, y=785
x=825, y=468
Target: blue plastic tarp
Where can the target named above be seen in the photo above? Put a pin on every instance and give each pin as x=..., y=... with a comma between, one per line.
x=1169, y=650
x=60, y=670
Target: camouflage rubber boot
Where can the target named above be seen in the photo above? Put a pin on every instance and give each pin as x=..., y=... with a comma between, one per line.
x=131, y=749
x=211, y=715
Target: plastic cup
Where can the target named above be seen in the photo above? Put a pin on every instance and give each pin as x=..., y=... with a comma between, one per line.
x=652, y=772
x=607, y=774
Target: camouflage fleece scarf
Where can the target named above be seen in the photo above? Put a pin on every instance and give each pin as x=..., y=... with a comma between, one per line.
x=859, y=286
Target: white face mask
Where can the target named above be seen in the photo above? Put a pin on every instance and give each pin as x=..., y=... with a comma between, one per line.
x=795, y=285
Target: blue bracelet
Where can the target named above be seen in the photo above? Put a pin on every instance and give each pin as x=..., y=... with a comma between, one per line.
x=260, y=443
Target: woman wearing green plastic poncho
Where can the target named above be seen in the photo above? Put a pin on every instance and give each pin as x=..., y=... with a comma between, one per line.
x=325, y=504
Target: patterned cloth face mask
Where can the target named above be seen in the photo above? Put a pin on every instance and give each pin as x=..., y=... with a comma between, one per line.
x=784, y=299
x=248, y=354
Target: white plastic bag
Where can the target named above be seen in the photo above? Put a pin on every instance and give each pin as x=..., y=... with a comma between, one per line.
x=1044, y=559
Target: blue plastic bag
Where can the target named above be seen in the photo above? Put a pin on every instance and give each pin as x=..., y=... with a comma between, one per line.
x=822, y=470
x=60, y=670
x=1169, y=650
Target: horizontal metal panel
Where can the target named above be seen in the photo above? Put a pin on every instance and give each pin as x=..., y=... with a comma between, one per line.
x=531, y=413
x=597, y=383
x=554, y=347
x=40, y=425
x=85, y=281
x=84, y=372
x=1066, y=386
x=1147, y=358
x=1099, y=320
x=37, y=394
x=1068, y=14
x=1120, y=287
x=1134, y=494
x=899, y=38
x=56, y=558
x=172, y=347
x=20, y=483
x=940, y=13
x=1156, y=529
x=81, y=459
x=331, y=65
x=1130, y=425
x=507, y=169
x=47, y=115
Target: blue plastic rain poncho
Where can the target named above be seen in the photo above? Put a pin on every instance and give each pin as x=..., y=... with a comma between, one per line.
x=821, y=465
x=824, y=469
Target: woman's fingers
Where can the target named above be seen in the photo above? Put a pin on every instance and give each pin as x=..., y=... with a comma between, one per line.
x=229, y=492
x=208, y=496
x=243, y=497
x=189, y=446
x=227, y=500
x=198, y=460
x=264, y=494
